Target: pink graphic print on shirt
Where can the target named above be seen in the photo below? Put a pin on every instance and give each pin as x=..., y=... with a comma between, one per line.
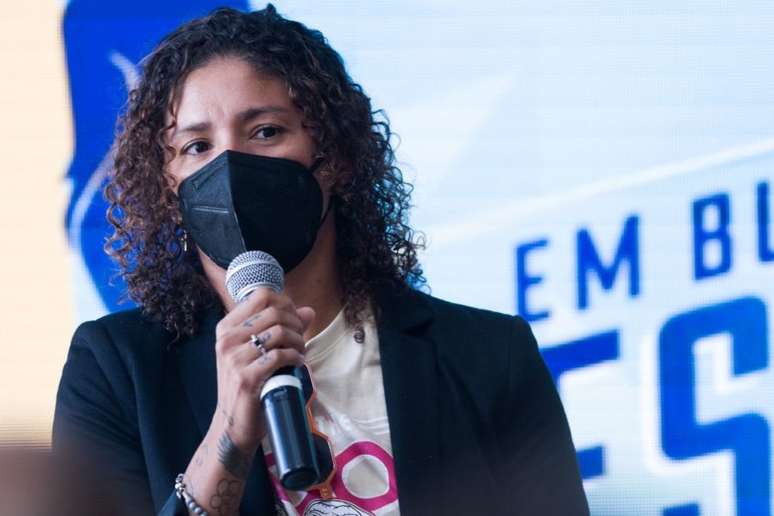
x=339, y=485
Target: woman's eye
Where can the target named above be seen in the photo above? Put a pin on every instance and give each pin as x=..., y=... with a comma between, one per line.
x=269, y=131
x=196, y=147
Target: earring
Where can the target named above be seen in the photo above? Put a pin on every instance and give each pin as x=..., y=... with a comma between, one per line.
x=184, y=242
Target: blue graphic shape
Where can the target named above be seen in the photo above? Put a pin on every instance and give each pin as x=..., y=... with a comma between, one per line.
x=578, y=354
x=103, y=42
x=763, y=212
x=745, y=435
x=588, y=260
x=690, y=509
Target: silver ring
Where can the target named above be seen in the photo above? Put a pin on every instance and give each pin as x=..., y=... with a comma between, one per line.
x=255, y=340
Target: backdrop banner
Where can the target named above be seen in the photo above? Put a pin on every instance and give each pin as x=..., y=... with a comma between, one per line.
x=603, y=170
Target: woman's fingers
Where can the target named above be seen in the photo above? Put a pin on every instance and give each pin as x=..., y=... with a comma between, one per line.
x=257, y=324
x=269, y=317
x=257, y=301
x=276, y=337
x=259, y=370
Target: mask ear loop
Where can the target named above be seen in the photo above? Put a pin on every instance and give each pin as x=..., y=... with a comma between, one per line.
x=312, y=169
x=331, y=199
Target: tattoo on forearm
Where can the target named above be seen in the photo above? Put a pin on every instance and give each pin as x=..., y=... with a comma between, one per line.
x=250, y=320
x=233, y=459
x=225, y=498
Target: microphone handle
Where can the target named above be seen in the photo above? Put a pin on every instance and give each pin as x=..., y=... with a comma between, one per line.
x=282, y=399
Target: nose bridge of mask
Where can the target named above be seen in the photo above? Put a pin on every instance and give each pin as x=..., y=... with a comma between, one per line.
x=278, y=203
x=208, y=212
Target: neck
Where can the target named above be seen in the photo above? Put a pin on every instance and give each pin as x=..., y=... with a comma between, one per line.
x=314, y=282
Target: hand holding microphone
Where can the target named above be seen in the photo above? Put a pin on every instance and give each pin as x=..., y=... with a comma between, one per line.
x=258, y=345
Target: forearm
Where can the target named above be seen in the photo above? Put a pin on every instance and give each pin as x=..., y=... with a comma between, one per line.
x=216, y=475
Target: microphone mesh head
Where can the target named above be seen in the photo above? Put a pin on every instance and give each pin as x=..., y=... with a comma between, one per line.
x=251, y=270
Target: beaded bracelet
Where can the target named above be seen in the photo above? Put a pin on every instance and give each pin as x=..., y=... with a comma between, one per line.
x=183, y=495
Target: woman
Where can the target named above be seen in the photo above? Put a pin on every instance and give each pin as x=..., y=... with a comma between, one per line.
x=428, y=407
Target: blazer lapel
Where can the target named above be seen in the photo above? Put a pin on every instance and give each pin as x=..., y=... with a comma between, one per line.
x=198, y=371
x=200, y=381
x=409, y=371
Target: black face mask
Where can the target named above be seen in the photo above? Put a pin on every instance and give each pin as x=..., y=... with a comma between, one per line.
x=244, y=202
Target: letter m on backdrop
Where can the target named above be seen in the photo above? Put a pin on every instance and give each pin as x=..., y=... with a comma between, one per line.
x=588, y=261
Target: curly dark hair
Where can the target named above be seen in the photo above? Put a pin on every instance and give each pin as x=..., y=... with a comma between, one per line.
x=375, y=244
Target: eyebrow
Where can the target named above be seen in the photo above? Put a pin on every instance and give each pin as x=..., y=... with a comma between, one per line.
x=242, y=117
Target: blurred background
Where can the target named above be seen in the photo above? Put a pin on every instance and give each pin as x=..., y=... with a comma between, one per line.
x=602, y=168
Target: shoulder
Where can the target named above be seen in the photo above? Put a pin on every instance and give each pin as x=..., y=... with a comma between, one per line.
x=118, y=326
x=108, y=360
x=128, y=331
x=120, y=345
x=459, y=319
x=96, y=382
x=474, y=339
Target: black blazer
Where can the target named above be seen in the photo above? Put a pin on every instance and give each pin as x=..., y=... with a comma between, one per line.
x=475, y=421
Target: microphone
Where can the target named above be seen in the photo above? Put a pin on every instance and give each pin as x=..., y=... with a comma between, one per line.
x=282, y=395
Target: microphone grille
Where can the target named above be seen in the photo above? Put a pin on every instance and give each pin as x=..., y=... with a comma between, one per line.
x=251, y=270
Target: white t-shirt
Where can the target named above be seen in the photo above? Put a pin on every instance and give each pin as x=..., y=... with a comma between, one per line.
x=350, y=409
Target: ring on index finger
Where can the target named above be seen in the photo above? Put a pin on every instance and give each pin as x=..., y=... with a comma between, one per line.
x=256, y=341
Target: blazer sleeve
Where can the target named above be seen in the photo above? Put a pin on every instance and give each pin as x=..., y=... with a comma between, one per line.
x=540, y=464
x=95, y=419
